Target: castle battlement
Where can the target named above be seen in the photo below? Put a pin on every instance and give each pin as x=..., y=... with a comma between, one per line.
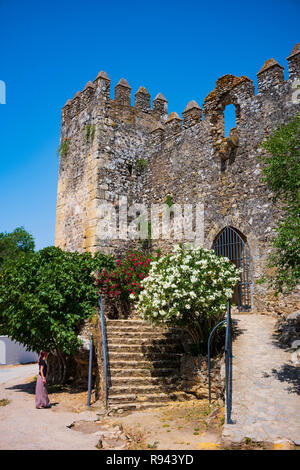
x=228, y=90
x=114, y=151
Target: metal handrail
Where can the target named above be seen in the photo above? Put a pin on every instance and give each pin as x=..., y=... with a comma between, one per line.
x=90, y=371
x=208, y=358
x=104, y=348
x=228, y=363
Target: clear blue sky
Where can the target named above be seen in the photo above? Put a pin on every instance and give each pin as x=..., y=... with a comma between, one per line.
x=51, y=49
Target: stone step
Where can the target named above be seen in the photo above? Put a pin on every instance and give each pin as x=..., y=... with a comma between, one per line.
x=143, y=356
x=145, y=348
x=144, y=364
x=131, y=389
x=141, y=329
x=146, y=372
x=143, y=381
x=136, y=323
x=146, y=398
x=137, y=337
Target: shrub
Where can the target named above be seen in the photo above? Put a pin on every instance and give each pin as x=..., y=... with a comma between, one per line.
x=123, y=283
x=45, y=298
x=281, y=173
x=188, y=288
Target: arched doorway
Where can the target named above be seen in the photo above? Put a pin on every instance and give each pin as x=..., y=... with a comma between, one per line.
x=233, y=244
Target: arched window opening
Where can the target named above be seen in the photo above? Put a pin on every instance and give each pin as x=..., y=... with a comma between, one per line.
x=229, y=119
x=228, y=144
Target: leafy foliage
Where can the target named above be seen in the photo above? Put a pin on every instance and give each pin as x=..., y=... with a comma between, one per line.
x=141, y=165
x=124, y=280
x=169, y=200
x=89, y=132
x=63, y=148
x=15, y=244
x=45, y=297
x=282, y=175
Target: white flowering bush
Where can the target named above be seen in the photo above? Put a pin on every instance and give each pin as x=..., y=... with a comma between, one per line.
x=188, y=288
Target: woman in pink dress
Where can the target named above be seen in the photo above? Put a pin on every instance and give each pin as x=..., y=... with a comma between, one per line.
x=41, y=394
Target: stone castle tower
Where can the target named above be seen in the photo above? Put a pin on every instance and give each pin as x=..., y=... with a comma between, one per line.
x=117, y=155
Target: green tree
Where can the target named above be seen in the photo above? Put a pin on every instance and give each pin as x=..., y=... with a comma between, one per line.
x=281, y=172
x=46, y=296
x=14, y=244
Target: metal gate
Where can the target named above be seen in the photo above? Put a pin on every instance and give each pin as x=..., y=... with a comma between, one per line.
x=229, y=243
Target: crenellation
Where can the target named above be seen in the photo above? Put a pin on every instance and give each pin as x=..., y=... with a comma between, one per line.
x=160, y=106
x=143, y=154
x=270, y=75
x=158, y=133
x=76, y=105
x=123, y=93
x=142, y=99
x=173, y=124
x=87, y=95
x=192, y=114
x=294, y=62
x=102, y=84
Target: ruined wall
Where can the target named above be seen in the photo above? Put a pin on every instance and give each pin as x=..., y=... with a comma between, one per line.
x=188, y=159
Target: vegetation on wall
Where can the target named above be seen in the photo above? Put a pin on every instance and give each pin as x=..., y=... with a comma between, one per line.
x=169, y=201
x=89, y=133
x=141, y=165
x=281, y=172
x=63, y=148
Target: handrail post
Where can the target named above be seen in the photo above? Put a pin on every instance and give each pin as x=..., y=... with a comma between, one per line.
x=90, y=371
x=228, y=363
x=208, y=359
x=228, y=368
x=104, y=347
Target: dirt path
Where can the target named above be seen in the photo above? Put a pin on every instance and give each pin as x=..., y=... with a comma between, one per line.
x=22, y=426
x=69, y=424
x=177, y=426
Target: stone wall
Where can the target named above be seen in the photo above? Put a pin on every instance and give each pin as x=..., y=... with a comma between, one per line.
x=188, y=159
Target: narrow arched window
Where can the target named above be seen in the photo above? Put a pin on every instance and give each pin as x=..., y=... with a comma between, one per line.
x=229, y=119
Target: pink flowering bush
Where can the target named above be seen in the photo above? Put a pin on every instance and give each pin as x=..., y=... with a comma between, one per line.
x=125, y=278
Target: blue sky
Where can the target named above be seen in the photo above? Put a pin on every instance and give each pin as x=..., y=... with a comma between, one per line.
x=50, y=50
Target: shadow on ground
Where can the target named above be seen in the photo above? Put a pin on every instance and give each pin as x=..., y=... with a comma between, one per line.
x=291, y=375
x=24, y=387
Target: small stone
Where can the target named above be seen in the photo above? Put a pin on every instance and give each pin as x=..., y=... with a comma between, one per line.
x=294, y=316
x=295, y=344
x=284, y=444
x=295, y=357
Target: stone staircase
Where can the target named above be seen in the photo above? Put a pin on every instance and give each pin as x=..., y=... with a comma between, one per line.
x=144, y=364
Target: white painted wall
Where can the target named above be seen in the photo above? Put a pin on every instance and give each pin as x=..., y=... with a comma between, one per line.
x=12, y=352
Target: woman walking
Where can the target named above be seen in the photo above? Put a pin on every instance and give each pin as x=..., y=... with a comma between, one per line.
x=41, y=394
